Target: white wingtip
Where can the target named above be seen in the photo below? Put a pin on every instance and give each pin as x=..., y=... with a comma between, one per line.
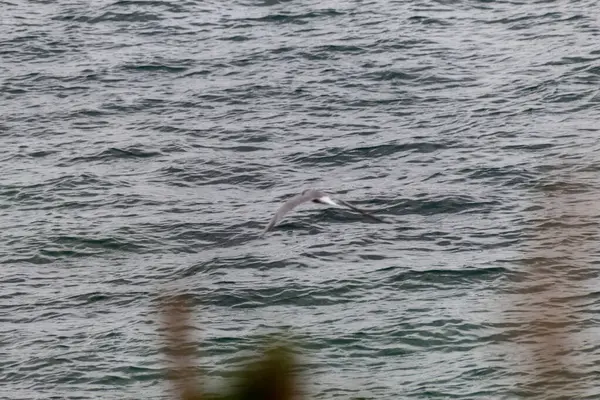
x=327, y=200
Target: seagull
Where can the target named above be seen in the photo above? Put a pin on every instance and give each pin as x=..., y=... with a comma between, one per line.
x=316, y=196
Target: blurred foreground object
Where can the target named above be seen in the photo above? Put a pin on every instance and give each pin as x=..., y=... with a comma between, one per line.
x=272, y=377
x=560, y=248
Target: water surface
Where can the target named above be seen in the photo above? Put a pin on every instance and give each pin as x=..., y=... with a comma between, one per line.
x=146, y=144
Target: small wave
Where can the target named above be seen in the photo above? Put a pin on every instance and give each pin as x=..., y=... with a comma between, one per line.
x=155, y=67
x=122, y=17
x=339, y=156
x=115, y=153
x=446, y=277
x=421, y=19
x=82, y=243
x=296, y=18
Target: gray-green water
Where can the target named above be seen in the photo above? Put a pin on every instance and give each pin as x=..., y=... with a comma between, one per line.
x=144, y=145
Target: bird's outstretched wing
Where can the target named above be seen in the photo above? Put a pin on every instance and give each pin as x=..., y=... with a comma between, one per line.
x=363, y=212
x=285, y=208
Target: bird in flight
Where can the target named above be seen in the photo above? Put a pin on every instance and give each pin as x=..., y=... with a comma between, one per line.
x=315, y=196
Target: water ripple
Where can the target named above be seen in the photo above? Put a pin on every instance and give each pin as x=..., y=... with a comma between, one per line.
x=146, y=144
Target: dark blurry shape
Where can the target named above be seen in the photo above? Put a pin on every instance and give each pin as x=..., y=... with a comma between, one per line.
x=272, y=377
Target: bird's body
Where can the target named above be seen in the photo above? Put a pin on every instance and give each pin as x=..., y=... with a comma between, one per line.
x=316, y=196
